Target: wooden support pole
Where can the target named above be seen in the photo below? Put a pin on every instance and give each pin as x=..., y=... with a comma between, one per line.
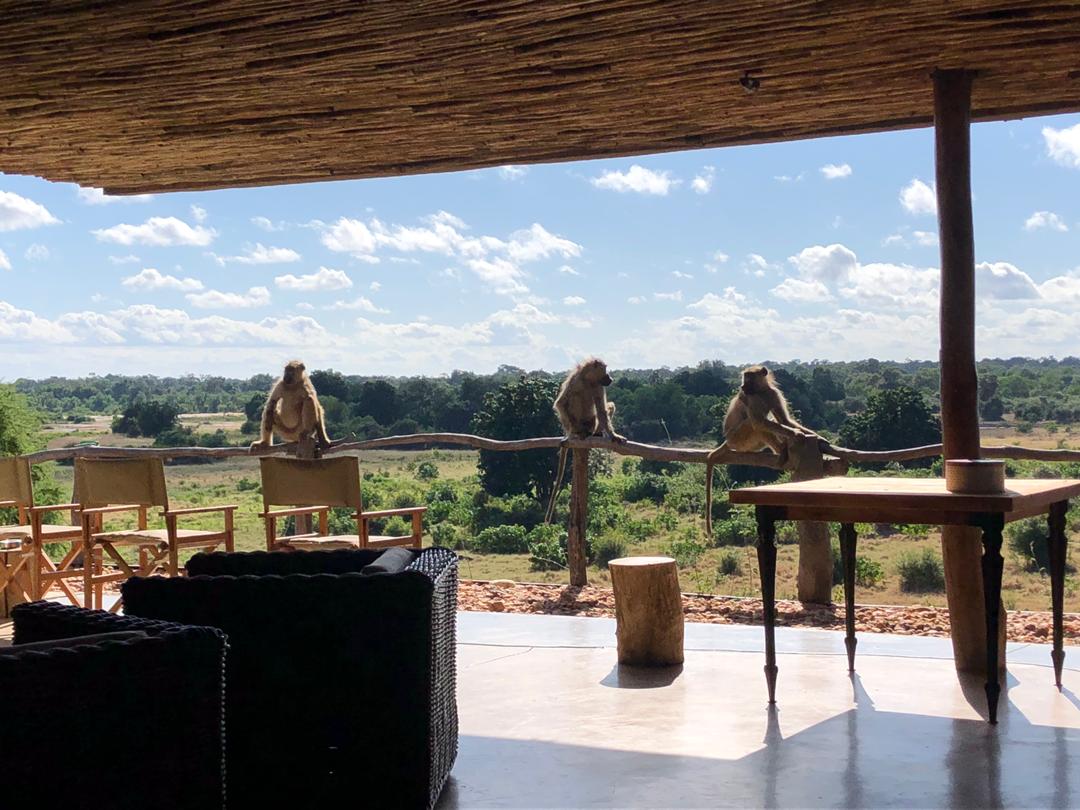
x=960, y=546
x=815, y=548
x=579, y=518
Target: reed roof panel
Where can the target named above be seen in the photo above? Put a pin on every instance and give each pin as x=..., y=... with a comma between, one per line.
x=140, y=96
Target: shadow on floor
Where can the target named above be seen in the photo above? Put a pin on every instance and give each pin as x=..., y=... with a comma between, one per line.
x=859, y=758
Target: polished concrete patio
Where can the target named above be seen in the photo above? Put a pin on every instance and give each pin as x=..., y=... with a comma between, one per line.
x=549, y=720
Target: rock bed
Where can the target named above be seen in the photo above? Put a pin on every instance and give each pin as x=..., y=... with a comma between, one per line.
x=506, y=596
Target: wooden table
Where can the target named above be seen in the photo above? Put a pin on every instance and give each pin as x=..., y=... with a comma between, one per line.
x=848, y=501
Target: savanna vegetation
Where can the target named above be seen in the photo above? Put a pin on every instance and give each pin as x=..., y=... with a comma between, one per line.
x=490, y=505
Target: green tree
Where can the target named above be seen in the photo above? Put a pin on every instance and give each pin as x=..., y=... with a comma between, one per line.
x=896, y=418
x=19, y=425
x=520, y=409
x=379, y=400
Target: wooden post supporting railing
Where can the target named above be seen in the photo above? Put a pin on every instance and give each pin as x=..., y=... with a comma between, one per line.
x=815, y=547
x=960, y=546
x=576, y=559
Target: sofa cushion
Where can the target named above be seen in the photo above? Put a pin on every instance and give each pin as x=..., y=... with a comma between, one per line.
x=392, y=561
x=74, y=641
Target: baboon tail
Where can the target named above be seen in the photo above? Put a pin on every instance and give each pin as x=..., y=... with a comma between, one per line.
x=558, y=484
x=708, y=500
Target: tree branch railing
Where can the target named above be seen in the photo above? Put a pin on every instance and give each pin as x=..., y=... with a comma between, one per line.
x=815, y=577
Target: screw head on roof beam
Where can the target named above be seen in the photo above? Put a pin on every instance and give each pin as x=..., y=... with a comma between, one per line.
x=749, y=83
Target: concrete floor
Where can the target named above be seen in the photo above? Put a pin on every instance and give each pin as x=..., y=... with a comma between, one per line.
x=549, y=720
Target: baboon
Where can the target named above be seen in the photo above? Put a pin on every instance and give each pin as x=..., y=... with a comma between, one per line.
x=292, y=410
x=583, y=411
x=757, y=417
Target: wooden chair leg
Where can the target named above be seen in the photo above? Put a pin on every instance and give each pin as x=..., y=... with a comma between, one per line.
x=229, y=530
x=88, y=567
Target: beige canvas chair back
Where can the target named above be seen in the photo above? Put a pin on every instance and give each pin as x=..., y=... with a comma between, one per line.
x=311, y=482
x=105, y=481
x=15, y=482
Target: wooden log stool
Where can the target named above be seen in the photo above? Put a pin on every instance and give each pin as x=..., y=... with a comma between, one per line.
x=648, y=611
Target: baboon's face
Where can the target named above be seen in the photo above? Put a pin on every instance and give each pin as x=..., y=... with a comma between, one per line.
x=596, y=372
x=294, y=372
x=754, y=379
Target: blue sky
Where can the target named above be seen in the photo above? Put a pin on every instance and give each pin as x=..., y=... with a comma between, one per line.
x=821, y=249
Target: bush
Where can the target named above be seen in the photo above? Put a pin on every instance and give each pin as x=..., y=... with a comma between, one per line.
x=738, y=529
x=730, y=565
x=1028, y=540
x=248, y=485
x=868, y=573
x=921, y=572
x=547, y=548
x=489, y=512
x=501, y=540
x=447, y=535
x=609, y=547
x=686, y=550
x=646, y=487
x=427, y=471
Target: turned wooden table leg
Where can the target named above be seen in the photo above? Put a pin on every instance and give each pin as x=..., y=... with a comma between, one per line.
x=766, y=553
x=992, y=565
x=1056, y=549
x=848, y=540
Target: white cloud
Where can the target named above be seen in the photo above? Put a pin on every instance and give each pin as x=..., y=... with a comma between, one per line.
x=671, y=296
x=23, y=326
x=36, y=253
x=918, y=198
x=157, y=232
x=1063, y=145
x=325, y=279
x=375, y=286
x=720, y=257
x=831, y=263
x=5, y=262
x=260, y=254
x=360, y=303
x=787, y=178
x=1004, y=281
x=95, y=196
x=567, y=270
x=757, y=262
x=681, y=274
x=1045, y=219
x=215, y=299
x=150, y=279
x=703, y=182
x=574, y=301
x=511, y=172
x=198, y=213
x=637, y=179
x=264, y=224
x=893, y=239
x=636, y=299
x=926, y=238
x=535, y=243
x=894, y=286
x=502, y=276
x=1062, y=290
x=349, y=236
x=17, y=213
x=831, y=171
x=129, y=259
x=797, y=290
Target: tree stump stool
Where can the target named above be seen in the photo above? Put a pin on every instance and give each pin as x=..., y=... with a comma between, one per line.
x=648, y=611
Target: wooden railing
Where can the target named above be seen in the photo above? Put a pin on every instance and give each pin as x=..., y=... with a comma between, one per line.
x=815, y=567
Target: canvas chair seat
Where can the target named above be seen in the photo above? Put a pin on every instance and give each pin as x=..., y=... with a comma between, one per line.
x=56, y=532
x=159, y=537
x=14, y=531
x=309, y=542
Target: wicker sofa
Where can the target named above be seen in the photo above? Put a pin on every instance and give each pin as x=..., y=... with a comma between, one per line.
x=109, y=711
x=342, y=684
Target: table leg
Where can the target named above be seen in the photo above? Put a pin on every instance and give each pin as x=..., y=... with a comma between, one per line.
x=992, y=565
x=848, y=540
x=766, y=553
x=1056, y=549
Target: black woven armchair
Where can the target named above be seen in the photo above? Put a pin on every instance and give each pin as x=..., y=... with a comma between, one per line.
x=131, y=719
x=342, y=684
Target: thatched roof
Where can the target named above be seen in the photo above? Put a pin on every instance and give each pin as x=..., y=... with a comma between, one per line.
x=190, y=94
